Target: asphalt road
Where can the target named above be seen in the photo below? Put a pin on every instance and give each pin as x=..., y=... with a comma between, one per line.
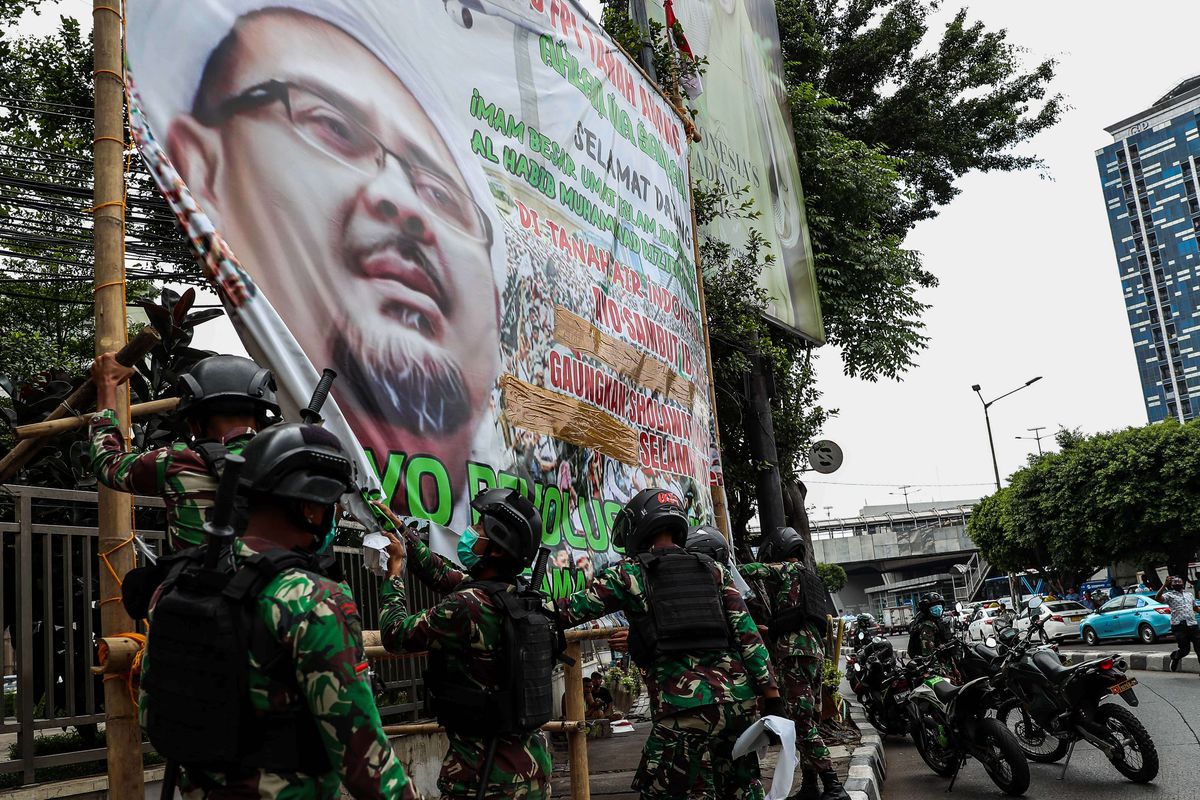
x=1169, y=704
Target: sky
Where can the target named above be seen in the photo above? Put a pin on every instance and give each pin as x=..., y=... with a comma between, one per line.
x=1028, y=280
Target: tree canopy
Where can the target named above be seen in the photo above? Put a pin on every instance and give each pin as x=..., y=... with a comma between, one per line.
x=1131, y=495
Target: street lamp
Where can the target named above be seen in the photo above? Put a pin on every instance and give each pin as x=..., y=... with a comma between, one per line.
x=988, y=420
x=905, y=491
x=1012, y=585
x=1037, y=437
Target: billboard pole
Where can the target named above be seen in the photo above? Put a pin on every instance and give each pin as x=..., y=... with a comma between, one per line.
x=646, y=56
x=124, y=736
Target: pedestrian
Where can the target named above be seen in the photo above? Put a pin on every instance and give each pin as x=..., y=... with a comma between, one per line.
x=689, y=630
x=797, y=631
x=224, y=400
x=491, y=654
x=1183, y=618
x=292, y=714
x=927, y=632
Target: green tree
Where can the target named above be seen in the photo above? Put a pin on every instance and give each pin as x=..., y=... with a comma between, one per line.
x=1131, y=495
x=832, y=575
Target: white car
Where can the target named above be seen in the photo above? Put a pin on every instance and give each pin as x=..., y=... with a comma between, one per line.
x=983, y=624
x=1061, y=618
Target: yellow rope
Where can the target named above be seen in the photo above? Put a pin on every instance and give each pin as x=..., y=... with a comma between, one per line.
x=133, y=677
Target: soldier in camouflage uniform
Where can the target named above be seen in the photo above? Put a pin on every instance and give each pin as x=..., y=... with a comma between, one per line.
x=224, y=399
x=293, y=476
x=464, y=635
x=928, y=630
x=798, y=654
x=704, y=697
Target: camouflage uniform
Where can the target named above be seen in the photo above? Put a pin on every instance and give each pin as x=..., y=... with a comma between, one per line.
x=316, y=620
x=177, y=474
x=925, y=636
x=700, y=702
x=799, y=657
x=468, y=629
x=434, y=571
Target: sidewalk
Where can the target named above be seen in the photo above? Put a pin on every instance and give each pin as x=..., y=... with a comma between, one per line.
x=612, y=763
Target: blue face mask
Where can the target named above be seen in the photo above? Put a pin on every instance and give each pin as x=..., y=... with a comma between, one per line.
x=466, y=549
x=935, y=611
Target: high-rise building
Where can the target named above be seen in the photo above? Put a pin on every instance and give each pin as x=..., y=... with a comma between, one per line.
x=1151, y=178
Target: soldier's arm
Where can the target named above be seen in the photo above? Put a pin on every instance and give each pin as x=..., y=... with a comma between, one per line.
x=137, y=473
x=400, y=631
x=430, y=568
x=608, y=592
x=332, y=674
x=755, y=570
x=749, y=640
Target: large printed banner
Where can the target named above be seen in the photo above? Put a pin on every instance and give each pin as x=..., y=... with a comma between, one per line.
x=477, y=213
x=746, y=141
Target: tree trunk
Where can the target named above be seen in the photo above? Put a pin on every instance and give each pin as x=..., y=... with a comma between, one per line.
x=794, y=495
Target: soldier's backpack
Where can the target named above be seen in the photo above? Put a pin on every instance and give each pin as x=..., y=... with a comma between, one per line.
x=684, y=609
x=197, y=669
x=810, y=609
x=523, y=701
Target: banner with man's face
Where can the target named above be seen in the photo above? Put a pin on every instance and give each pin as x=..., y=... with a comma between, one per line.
x=747, y=141
x=476, y=211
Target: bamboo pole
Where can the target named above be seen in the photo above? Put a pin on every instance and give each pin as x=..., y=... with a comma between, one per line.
x=416, y=728
x=373, y=647
x=124, y=736
x=577, y=753
x=79, y=401
x=46, y=428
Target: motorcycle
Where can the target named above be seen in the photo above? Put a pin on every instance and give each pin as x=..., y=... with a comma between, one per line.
x=951, y=724
x=1053, y=707
x=882, y=686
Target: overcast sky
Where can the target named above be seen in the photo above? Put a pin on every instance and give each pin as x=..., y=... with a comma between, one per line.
x=1029, y=284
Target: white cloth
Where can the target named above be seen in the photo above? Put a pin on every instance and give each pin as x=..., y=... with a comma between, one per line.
x=755, y=738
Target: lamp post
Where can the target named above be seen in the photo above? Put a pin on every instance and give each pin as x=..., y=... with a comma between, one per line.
x=905, y=491
x=1012, y=584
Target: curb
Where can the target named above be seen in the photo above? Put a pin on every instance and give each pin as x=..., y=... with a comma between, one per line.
x=868, y=763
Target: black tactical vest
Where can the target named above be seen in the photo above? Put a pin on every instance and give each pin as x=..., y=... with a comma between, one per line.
x=523, y=699
x=809, y=610
x=685, y=613
x=197, y=670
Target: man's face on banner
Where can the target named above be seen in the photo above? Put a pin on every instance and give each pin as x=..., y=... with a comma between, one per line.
x=340, y=197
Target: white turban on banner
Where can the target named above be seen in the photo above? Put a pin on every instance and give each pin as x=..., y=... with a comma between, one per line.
x=174, y=40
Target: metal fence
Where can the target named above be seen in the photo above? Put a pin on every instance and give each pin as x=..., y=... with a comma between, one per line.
x=49, y=609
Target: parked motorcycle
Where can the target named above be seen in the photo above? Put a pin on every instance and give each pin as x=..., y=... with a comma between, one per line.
x=1053, y=707
x=882, y=685
x=951, y=724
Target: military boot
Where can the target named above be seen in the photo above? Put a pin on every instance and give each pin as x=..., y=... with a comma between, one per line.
x=833, y=787
x=809, y=789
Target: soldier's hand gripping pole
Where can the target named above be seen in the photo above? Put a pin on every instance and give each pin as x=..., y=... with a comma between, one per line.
x=312, y=414
x=219, y=531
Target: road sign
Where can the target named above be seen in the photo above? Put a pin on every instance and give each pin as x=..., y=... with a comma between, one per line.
x=825, y=456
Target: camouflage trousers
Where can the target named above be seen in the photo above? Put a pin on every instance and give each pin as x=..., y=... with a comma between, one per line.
x=800, y=682
x=690, y=754
x=520, y=768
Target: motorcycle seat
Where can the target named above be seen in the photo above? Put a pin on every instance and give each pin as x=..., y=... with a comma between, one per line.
x=945, y=691
x=1050, y=665
x=990, y=653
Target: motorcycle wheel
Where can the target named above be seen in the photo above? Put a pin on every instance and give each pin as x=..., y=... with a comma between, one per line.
x=1002, y=757
x=943, y=760
x=1138, y=759
x=1035, y=741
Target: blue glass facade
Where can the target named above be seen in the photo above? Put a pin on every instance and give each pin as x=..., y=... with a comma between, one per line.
x=1152, y=193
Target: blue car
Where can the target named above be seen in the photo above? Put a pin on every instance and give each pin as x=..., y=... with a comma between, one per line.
x=1130, y=616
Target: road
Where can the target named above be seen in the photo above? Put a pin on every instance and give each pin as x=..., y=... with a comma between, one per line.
x=1169, y=703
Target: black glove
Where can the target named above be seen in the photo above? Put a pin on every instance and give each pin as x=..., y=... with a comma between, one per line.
x=775, y=707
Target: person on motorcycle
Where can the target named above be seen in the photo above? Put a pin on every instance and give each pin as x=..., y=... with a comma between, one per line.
x=1002, y=618
x=928, y=630
x=1183, y=618
x=864, y=630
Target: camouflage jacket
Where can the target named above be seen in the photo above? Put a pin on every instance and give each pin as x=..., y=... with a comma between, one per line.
x=689, y=680
x=925, y=636
x=466, y=630
x=316, y=620
x=434, y=571
x=177, y=474
x=783, y=589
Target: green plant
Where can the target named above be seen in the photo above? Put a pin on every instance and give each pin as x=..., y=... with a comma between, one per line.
x=629, y=680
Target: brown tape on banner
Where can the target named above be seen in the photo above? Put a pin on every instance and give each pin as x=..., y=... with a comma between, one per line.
x=547, y=412
x=575, y=332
